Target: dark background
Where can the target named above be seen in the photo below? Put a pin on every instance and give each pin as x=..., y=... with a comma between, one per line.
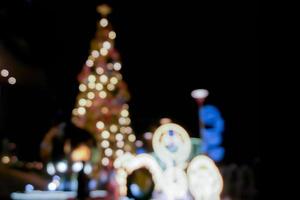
x=167, y=49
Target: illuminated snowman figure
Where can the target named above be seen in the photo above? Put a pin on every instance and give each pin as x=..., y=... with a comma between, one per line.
x=172, y=145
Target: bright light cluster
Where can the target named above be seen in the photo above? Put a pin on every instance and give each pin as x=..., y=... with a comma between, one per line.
x=202, y=179
x=100, y=85
x=205, y=180
x=5, y=73
x=62, y=167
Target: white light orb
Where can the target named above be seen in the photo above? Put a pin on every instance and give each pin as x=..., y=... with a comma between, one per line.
x=103, y=78
x=105, y=134
x=103, y=51
x=106, y=45
x=105, y=144
x=117, y=66
x=105, y=161
x=77, y=166
x=200, y=93
x=102, y=94
x=124, y=113
x=112, y=35
x=103, y=22
x=4, y=72
x=92, y=78
x=100, y=125
x=108, y=152
x=50, y=169
x=88, y=168
x=12, y=80
x=52, y=186
x=119, y=137
x=99, y=86
x=95, y=53
x=61, y=167
x=89, y=63
x=82, y=87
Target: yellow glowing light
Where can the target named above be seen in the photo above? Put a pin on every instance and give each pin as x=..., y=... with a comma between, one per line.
x=5, y=159
x=112, y=35
x=100, y=125
x=4, y=72
x=127, y=148
x=92, y=78
x=113, y=128
x=131, y=138
x=105, y=161
x=103, y=22
x=75, y=111
x=108, y=152
x=106, y=45
x=89, y=63
x=81, y=153
x=82, y=102
x=103, y=51
x=105, y=134
x=103, y=78
x=82, y=87
x=117, y=66
x=81, y=111
x=91, y=85
x=102, y=94
x=119, y=152
x=119, y=137
x=105, y=144
x=128, y=121
x=12, y=80
x=114, y=80
x=88, y=103
x=111, y=87
x=120, y=144
x=91, y=95
x=100, y=70
x=124, y=113
x=99, y=86
x=95, y=53
x=104, y=110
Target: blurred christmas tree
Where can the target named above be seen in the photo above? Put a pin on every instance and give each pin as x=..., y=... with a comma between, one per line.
x=101, y=107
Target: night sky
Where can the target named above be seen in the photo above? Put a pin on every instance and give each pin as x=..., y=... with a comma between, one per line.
x=167, y=50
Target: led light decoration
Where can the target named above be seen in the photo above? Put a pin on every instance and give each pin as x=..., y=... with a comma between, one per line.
x=211, y=132
x=101, y=107
x=172, y=145
x=205, y=181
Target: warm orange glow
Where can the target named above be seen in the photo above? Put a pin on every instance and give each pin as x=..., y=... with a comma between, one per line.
x=81, y=153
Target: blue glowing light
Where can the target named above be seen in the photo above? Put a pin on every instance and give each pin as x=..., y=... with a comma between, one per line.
x=135, y=190
x=211, y=132
x=140, y=150
x=171, y=132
